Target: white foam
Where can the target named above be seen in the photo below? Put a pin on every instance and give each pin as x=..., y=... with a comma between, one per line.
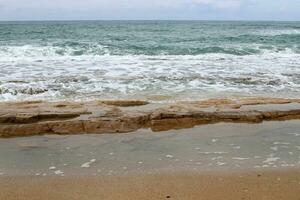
x=52, y=167
x=181, y=76
x=281, y=143
x=270, y=160
x=217, y=158
x=220, y=163
x=216, y=152
x=87, y=164
x=240, y=158
x=169, y=156
x=58, y=172
x=294, y=134
x=274, y=32
x=214, y=140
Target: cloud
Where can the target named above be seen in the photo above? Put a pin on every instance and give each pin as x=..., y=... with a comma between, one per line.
x=150, y=9
x=108, y=4
x=220, y=4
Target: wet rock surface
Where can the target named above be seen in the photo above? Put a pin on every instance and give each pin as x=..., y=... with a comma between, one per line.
x=38, y=117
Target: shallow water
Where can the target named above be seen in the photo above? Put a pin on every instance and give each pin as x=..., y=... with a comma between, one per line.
x=270, y=145
x=144, y=59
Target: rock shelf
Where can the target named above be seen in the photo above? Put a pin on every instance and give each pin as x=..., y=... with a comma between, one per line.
x=39, y=117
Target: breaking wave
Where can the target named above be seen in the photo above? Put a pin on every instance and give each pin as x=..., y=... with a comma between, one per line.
x=182, y=60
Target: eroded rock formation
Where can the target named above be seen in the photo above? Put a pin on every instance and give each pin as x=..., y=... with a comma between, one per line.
x=39, y=117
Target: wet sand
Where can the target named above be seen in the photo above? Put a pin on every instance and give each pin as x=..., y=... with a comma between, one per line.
x=215, y=161
x=267, y=185
x=214, y=147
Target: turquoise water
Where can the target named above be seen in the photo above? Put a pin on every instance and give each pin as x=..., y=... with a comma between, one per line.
x=142, y=59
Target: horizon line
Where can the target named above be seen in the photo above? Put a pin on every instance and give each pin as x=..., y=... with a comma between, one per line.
x=216, y=20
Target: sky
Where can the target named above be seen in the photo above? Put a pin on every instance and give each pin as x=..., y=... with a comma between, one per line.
x=150, y=10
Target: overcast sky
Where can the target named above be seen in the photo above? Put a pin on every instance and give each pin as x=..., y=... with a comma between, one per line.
x=150, y=9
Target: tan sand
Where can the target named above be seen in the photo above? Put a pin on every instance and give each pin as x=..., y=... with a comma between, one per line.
x=258, y=185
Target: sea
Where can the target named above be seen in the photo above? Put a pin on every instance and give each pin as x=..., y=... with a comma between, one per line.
x=148, y=60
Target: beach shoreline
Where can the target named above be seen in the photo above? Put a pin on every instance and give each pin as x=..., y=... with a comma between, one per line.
x=211, y=162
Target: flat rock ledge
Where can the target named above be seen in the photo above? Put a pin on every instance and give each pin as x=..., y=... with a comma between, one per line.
x=40, y=117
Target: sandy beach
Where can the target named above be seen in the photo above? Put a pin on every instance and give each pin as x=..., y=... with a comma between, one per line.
x=267, y=185
x=213, y=161
x=244, y=148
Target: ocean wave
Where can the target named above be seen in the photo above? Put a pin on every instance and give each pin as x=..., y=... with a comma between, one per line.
x=16, y=90
x=281, y=32
x=8, y=52
x=52, y=50
x=181, y=77
x=143, y=59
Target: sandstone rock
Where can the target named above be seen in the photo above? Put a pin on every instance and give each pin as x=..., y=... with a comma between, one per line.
x=38, y=117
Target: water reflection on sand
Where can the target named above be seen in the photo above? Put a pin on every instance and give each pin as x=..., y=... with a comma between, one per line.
x=225, y=146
